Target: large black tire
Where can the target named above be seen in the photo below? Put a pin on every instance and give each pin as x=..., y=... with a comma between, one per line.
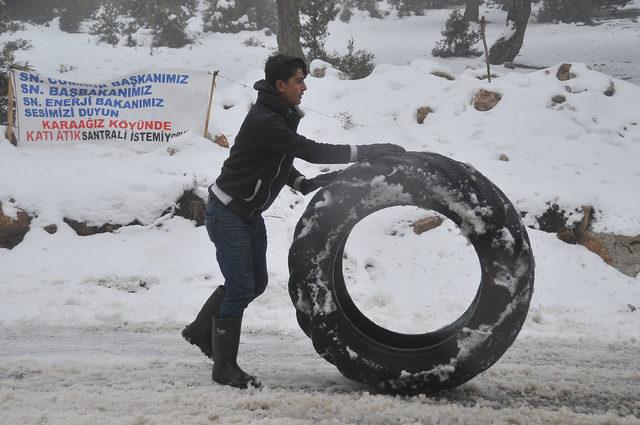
x=391, y=361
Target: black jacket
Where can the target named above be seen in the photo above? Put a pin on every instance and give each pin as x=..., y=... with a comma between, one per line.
x=260, y=162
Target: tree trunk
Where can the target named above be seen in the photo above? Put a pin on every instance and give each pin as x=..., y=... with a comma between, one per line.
x=472, y=10
x=289, y=28
x=507, y=46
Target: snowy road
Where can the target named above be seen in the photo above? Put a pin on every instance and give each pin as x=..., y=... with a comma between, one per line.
x=97, y=376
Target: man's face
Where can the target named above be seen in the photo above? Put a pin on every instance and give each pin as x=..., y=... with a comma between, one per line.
x=291, y=91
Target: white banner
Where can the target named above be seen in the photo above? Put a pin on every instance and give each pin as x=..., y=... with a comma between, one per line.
x=146, y=106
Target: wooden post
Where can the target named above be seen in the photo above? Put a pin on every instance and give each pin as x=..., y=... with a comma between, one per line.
x=10, y=107
x=206, y=121
x=483, y=25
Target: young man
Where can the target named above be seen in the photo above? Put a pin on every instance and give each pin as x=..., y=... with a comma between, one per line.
x=259, y=165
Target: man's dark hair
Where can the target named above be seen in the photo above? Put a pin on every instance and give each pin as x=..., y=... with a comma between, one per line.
x=282, y=67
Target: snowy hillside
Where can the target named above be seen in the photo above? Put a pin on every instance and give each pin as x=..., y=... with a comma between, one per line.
x=153, y=277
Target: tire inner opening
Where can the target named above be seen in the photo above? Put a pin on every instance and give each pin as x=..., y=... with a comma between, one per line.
x=403, y=288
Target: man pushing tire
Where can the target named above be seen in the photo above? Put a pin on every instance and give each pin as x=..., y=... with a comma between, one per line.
x=260, y=163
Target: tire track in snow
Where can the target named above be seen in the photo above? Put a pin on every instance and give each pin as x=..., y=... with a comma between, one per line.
x=123, y=376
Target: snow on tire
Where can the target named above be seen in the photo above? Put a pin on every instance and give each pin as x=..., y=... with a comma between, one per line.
x=411, y=363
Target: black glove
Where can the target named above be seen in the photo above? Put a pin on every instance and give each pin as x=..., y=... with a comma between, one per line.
x=377, y=150
x=321, y=180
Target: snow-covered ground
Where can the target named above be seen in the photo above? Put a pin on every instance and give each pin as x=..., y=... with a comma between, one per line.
x=89, y=326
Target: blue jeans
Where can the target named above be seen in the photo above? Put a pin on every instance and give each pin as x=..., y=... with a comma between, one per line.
x=241, y=249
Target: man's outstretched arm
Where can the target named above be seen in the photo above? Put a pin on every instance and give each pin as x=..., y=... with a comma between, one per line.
x=281, y=138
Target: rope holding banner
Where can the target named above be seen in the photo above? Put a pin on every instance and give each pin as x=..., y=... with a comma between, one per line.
x=306, y=108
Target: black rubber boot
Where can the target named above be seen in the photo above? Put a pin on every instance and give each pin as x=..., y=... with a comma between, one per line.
x=226, y=339
x=198, y=332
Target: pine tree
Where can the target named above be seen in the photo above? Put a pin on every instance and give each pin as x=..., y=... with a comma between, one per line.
x=238, y=15
x=566, y=11
x=549, y=11
x=264, y=14
x=36, y=11
x=314, y=31
x=108, y=27
x=167, y=19
x=6, y=22
x=140, y=11
x=409, y=7
x=609, y=5
x=355, y=64
x=226, y=16
x=576, y=10
x=73, y=12
x=347, y=6
x=458, y=38
x=129, y=30
x=169, y=28
x=472, y=10
x=4, y=17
